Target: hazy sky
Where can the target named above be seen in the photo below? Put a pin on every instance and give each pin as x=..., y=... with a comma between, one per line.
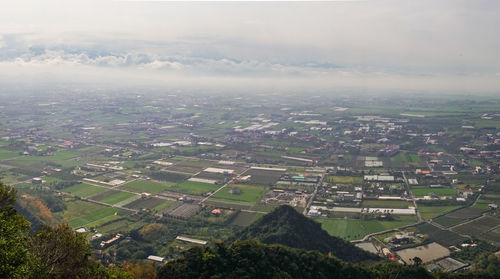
x=406, y=46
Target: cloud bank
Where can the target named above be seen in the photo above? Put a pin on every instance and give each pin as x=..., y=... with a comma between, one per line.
x=369, y=46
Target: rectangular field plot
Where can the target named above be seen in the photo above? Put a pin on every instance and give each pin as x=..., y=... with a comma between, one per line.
x=122, y=224
x=486, y=199
x=426, y=253
x=148, y=186
x=385, y=204
x=219, y=177
x=430, y=212
x=247, y=194
x=465, y=213
x=145, y=203
x=443, y=237
x=113, y=197
x=344, y=179
x=425, y=191
x=7, y=154
x=84, y=190
x=478, y=227
x=92, y=217
x=356, y=229
x=245, y=218
x=264, y=176
x=80, y=213
x=194, y=188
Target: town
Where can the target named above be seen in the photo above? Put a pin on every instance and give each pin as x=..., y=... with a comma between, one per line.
x=147, y=176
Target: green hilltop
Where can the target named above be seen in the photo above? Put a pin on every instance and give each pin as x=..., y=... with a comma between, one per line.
x=288, y=227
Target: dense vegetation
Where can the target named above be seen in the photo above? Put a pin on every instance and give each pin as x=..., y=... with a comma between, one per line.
x=52, y=252
x=251, y=259
x=60, y=252
x=288, y=227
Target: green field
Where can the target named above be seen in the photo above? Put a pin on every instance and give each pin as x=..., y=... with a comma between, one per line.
x=194, y=188
x=386, y=204
x=83, y=190
x=80, y=213
x=344, y=179
x=429, y=212
x=116, y=198
x=7, y=154
x=93, y=217
x=58, y=156
x=420, y=192
x=163, y=205
x=148, y=186
x=249, y=194
x=356, y=229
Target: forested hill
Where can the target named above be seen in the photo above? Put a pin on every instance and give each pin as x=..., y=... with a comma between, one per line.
x=288, y=227
x=251, y=259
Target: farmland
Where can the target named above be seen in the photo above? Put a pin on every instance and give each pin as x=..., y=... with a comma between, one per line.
x=443, y=237
x=84, y=190
x=147, y=186
x=356, y=229
x=187, y=163
x=249, y=195
x=195, y=188
x=386, y=204
x=420, y=192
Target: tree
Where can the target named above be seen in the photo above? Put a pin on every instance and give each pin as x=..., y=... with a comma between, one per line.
x=60, y=251
x=14, y=260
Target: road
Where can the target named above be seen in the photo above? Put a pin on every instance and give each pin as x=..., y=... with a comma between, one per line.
x=313, y=195
x=410, y=193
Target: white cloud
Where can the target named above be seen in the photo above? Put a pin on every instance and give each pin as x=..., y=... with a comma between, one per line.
x=445, y=45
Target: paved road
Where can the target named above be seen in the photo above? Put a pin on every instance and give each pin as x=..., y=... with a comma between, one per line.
x=313, y=195
x=410, y=193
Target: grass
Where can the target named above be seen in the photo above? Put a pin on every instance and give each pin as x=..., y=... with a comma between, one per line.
x=344, y=179
x=116, y=198
x=356, y=229
x=385, y=204
x=94, y=216
x=83, y=190
x=162, y=206
x=58, y=156
x=195, y=188
x=429, y=212
x=7, y=154
x=148, y=186
x=249, y=194
x=420, y=192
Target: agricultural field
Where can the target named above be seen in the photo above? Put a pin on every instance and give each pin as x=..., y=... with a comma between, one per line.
x=357, y=229
x=8, y=154
x=486, y=199
x=478, y=227
x=84, y=190
x=148, y=186
x=343, y=179
x=250, y=194
x=425, y=191
x=114, y=197
x=81, y=213
x=263, y=177
x=430, y=212
x=385, y=204
x=244, y=219
x=443, y=237
x=194, y=188
x=144, y=203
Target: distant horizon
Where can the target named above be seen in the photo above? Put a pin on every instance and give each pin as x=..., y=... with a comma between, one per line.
x=364, y=47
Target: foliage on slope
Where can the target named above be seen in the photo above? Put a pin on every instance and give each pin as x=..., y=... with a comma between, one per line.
x=288, y=227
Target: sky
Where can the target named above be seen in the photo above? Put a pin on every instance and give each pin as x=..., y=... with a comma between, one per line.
x=333, y=46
